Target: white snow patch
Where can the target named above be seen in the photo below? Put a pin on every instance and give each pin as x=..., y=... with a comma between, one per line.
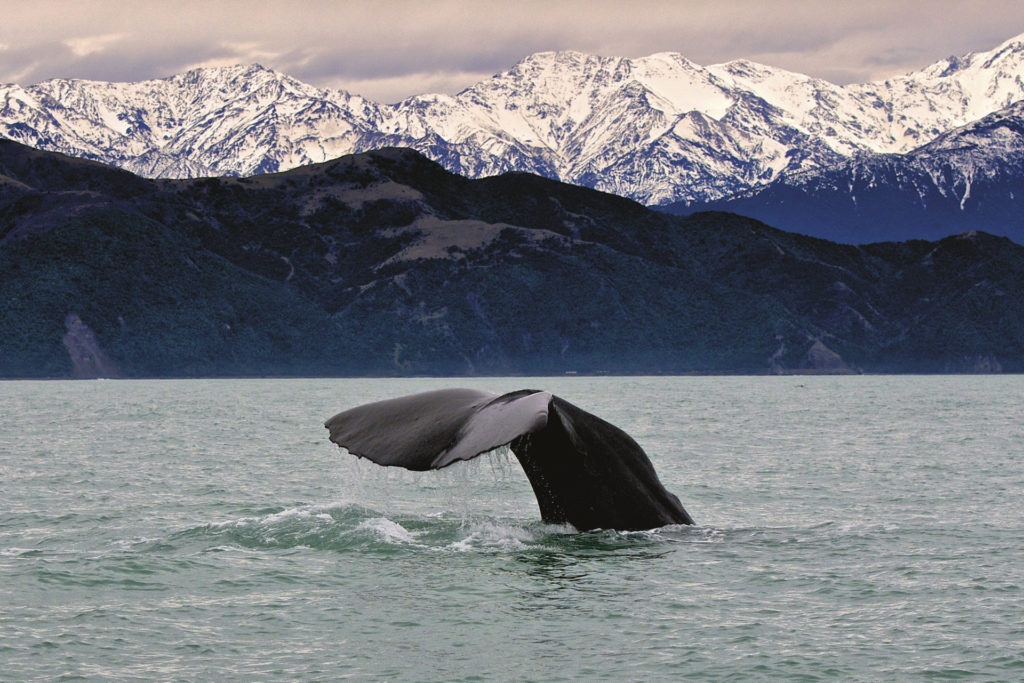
x=967, y=191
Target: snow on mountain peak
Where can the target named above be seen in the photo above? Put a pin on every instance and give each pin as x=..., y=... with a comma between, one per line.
x=657, y=128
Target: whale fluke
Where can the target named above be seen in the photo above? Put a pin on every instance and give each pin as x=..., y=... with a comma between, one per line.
x=583, y=470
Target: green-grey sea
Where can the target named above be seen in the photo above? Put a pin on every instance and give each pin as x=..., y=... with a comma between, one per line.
x=866, y=527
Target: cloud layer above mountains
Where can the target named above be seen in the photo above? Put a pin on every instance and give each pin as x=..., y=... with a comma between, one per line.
x=390, y=50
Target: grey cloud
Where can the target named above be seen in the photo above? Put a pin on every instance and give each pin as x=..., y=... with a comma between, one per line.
x=417, y=59
x=391, y=44
x=56, y=60
x=149, y=62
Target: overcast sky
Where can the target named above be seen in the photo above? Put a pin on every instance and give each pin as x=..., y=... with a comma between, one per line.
x=389, y=50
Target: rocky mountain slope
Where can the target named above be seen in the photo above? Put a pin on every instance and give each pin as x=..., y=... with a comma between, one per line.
x=384, y=263
x=969, y=178
x=658, y=129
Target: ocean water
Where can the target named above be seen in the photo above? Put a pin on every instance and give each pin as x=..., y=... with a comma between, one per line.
x=848, y=527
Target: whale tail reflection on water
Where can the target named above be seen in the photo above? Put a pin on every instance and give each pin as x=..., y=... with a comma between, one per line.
x=583, y=470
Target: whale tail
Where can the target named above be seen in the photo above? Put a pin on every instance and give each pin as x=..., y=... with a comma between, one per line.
x=584, y=471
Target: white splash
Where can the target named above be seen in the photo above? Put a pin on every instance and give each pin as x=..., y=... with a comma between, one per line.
x=388, y=530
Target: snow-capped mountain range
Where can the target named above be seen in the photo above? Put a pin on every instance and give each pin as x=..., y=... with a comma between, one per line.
x=968, y=178
x=658, y=129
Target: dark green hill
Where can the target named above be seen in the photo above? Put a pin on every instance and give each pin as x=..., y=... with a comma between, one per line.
x=383, y=263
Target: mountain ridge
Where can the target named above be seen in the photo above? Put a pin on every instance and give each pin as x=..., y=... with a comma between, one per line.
x=384, y=263
x=967, y=178
x=657, y=129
